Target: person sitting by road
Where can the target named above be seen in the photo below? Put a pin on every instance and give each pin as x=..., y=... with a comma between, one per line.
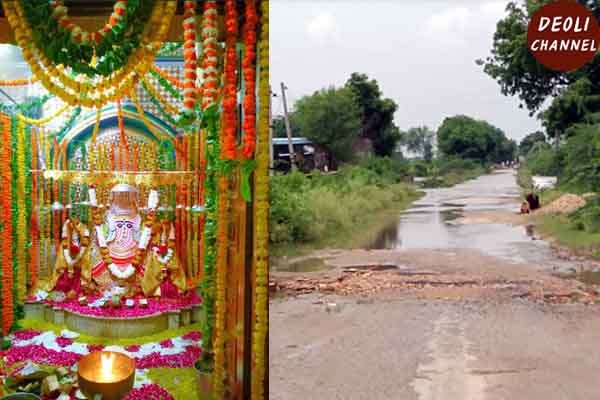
x=525, y=208
x=534, y=201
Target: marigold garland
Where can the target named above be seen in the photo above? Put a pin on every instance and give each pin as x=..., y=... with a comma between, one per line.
x=35, y=232
x=229, y=133
x=249, y=72
x=19, y=169
x=60, y=13
x=189, y=57
x=65, y=43
x=45, y=120
x=261, y=210
x=164, y=74
x=90, y=93
x=6, y=225
x=210, y=45
x=18, y=82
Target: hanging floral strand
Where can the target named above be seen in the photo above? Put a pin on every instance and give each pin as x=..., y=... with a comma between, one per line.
x=189, y=56
x=6, y=224
x=35, y=231
x=210, y=44
x=21, y=213
x=228, y=137
x=261, y=211
x=249, y=71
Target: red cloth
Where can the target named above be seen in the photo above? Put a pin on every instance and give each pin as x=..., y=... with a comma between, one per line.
x=168, y=289
x=65, y=284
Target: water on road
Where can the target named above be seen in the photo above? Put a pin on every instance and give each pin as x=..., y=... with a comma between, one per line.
x=429, y=223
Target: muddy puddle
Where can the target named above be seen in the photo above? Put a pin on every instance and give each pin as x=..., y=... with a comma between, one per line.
x=309, y=264
x=429, y=223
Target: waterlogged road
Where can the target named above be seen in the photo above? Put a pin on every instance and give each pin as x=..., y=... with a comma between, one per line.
x=442, y=343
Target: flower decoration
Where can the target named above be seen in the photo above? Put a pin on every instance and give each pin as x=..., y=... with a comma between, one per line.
x=63, y=341
x=189, y=57
x=149, y=392
x=95, y=347
x=6, y=223
x=228, y=138
x=249, y=73
x=80, y=89
x=261, y=211
x=60, y=13
x=210, y=61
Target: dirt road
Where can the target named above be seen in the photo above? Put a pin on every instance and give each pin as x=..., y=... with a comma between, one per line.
x=449, y=320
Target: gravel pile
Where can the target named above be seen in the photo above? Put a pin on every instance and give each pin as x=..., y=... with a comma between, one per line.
x=565, y=204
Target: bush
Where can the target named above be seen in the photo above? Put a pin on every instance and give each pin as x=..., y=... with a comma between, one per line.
x=308, y=208
x=544, y=160
x=587, y=218
x=581, y=158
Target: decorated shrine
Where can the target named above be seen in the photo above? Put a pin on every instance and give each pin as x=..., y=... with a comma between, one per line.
x=134, y=199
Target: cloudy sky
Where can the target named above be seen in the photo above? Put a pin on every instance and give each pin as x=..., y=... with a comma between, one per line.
x=422, y=52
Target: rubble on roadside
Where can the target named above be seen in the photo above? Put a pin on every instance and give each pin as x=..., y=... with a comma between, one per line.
x=432, y=284
x=565, y=204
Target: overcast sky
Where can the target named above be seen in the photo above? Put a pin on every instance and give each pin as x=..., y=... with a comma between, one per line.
x=422, y=52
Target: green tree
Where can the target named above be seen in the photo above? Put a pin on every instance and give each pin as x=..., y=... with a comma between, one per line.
x=330, y=117
x=467, y=138
x=278, y=125
x=419, y=140
x=528, y=141
x=377, y=114
x=517, y=71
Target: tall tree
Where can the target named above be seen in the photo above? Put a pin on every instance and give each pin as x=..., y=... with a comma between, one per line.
x=528, y=141
x=517, y=71
x=377, y=114
x=419, y=140
x=278, y=125
x=330, y=117
x=465, y=137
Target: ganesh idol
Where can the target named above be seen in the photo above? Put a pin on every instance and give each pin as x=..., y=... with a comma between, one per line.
x=120, y=240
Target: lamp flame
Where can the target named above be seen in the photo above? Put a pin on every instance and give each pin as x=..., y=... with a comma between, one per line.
x=107, y=361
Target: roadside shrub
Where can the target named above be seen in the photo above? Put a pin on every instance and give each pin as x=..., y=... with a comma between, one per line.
x=543, y=159
x=308, y=208
x=587, y=218
x=581, y=159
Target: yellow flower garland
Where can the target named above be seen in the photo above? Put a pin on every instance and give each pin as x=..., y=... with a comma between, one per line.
x=261, y=210
x=21, y=221
x=18, y=82
x=42, y=121
x=89, y=93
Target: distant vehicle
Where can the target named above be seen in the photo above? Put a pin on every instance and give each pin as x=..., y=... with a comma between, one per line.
x=544, y=182
x=309, y=156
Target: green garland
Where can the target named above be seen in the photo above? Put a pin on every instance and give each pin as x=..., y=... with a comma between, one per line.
x=167, y=85
x=210, y=122
x=59, y=134
x=112, y=53
x=182, y=121
x=28, y=194
x=18, y=308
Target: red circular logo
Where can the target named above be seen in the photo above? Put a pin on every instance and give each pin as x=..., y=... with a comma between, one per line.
x=563, y=36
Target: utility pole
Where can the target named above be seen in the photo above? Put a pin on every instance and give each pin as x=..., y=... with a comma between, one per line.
x=287, y=128
x=271, y=94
